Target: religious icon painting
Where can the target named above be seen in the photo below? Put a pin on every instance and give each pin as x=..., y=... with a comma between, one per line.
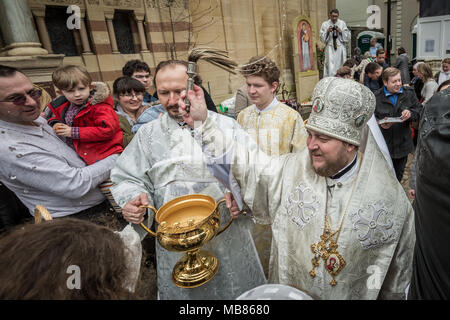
x=305, y=45
x=360, y=120
x=318, y=105
x=334, y=263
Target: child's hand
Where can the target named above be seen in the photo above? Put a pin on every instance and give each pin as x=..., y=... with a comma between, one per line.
x=62, y=129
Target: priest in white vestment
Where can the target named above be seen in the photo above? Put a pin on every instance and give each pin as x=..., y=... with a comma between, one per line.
x=342, y=225
x=163, y=162
x=335, y=35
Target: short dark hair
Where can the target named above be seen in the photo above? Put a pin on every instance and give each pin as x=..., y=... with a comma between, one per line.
x=380, y=51
x=7, y=71
x=334, y=11
x=401, y=50
x=163, y=64
x=127, y=85
x=372, y=67
x=166, y=63
x=133, y=66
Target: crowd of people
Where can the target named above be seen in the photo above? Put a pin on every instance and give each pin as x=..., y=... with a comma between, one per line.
x=315, y=202
x=392, y=88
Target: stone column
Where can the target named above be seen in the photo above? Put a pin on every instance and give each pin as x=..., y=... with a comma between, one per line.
x=17, y=30
x=42, y=29
x=142, y=38
x=140, y=25
x=112, y=36
x=84, y=37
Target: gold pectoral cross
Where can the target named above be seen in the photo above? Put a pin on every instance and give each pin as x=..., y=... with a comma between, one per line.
x=326, y=249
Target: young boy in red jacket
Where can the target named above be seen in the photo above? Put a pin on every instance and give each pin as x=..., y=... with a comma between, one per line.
x=85, y=117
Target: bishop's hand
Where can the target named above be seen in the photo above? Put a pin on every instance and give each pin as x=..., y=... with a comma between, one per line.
x=198, y=111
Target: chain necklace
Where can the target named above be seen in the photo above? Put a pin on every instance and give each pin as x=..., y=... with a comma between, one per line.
x=326, y=248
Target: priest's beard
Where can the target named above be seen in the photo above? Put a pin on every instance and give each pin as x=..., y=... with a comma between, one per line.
x=330, y=164
x=172, y=111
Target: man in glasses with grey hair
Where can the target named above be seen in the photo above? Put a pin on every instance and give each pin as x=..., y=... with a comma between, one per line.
x=36, y=165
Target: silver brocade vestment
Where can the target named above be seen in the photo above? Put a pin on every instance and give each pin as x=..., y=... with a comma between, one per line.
x=377, y=236
x=164, y=161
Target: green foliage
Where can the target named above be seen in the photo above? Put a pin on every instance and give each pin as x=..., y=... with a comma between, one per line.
x=320, y=60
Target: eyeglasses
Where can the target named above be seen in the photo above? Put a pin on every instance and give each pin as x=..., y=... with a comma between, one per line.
x=142, y=76
x=129, y=95
x=20, y=99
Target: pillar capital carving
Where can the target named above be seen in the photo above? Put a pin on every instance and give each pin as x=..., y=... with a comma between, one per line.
x=139, y=15
x=38, y=10
x=109, y=13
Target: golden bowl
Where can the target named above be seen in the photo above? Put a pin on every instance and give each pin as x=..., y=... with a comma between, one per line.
x=185, y=224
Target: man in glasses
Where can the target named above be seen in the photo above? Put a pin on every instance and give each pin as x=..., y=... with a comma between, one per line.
x=140, y=71
x=36, y=165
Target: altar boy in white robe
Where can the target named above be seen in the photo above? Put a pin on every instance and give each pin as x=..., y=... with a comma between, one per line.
x=342, y=225
x=335, y=35
x=163, y=162
x=276, y=128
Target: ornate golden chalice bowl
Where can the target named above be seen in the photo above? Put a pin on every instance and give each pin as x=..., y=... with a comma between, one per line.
x=185, y=224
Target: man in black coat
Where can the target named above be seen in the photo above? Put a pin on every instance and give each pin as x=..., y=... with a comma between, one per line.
x=395, y=101
x=431, y=272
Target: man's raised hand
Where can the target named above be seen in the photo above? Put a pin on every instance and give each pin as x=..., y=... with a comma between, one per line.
x=198, y=111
